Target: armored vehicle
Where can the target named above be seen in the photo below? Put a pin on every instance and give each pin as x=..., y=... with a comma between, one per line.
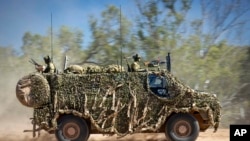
x=73, y=106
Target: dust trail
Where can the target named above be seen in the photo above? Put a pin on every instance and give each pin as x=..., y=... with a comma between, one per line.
x=14, y=117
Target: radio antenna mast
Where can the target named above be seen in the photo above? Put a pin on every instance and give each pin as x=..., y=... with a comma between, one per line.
x=121, y=43
x=51, y=38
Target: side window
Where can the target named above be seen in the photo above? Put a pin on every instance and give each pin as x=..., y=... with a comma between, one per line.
x=156, y=82
x=158, y=85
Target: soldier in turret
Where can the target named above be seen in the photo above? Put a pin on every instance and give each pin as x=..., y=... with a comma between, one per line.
x=50, y=68
x=135, y=66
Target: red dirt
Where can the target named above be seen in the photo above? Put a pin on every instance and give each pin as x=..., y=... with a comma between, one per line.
x=13, y=132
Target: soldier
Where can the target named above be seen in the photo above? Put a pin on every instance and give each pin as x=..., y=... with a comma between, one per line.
x=135, y=65
x=50, y=68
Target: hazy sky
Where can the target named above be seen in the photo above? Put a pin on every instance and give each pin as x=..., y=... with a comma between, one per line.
x=20, y=16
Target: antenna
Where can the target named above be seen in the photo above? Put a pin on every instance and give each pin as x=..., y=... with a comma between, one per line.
x=51, y=39
x=121, y=43
x=168, y=62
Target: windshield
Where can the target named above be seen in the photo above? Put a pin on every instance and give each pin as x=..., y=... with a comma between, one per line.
x=158, y=85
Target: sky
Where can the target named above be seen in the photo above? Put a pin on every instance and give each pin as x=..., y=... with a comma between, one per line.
x=20, y=16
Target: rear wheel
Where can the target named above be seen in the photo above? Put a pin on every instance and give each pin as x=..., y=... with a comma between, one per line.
x=72, y=128
x=182, y=127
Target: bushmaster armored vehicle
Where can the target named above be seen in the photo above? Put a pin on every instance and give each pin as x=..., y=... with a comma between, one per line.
x=73, y=106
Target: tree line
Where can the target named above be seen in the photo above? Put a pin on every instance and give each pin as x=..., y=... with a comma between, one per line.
x=203, y=54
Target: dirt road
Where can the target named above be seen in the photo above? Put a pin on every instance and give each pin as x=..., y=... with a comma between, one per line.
x=12, y=126
x=221, y=135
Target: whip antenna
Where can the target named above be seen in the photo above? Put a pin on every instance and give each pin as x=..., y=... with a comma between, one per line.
x=121, y=43
x=51, y=38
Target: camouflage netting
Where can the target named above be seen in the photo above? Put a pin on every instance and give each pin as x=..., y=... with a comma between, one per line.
x=77, y=69
x=121, y=103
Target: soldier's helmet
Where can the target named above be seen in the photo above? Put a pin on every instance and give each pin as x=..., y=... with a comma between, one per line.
x=136, y=57
x=47, y=60
x=50, y=66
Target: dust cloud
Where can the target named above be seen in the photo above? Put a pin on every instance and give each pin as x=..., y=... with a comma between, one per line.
x=13, y=116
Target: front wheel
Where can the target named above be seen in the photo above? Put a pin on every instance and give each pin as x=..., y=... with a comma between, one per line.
x=182, y=127
x=72, y=128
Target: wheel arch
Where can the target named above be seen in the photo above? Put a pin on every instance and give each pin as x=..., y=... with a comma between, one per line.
x=202, y=118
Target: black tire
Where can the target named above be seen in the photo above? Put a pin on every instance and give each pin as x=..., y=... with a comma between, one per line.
x=72, y=128
x=182, y=127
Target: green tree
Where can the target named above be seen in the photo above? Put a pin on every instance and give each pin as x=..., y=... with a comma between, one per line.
x=243, y=94
x=159, y=25
x=34, y=45
x=66, y=42
x=111, y=35
x=218, y=72
x=223, y=20
x=70, y=44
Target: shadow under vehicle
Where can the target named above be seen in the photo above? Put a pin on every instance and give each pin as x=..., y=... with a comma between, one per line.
x=73, y=106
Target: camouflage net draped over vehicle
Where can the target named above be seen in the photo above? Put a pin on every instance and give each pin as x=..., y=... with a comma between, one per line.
x=120, y=103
